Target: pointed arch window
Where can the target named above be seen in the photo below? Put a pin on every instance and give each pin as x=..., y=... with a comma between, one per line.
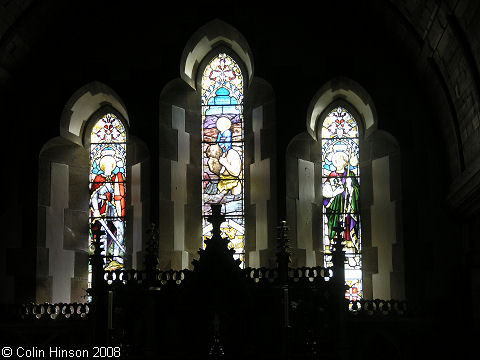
x=223, y=149
x=341, y=193
x=107, y=189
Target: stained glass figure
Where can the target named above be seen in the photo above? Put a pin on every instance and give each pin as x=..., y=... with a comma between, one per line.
x=341, y=194
x=223, y=149
x=107, y=189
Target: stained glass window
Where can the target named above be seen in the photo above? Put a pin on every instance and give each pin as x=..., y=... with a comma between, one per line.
x=107, y=189
x=223, y=149
x=341, y=194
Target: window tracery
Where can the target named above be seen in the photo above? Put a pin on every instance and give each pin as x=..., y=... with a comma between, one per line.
x=341, y=193
x=223, y=149
x=107, y=189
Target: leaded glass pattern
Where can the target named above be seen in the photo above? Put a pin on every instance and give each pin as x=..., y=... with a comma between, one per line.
x=223, y=150
x=107, y=189
x=341, y=194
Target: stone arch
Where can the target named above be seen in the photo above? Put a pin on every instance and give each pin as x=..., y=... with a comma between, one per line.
x=207, y=38
x=63, y=196
x=82, y=104
x=180, y=150
x=341, y=88
x=380, y=195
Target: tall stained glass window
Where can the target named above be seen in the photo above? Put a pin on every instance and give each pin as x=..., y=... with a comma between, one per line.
x=223, y=149
x=341, y=194
x=107, y=189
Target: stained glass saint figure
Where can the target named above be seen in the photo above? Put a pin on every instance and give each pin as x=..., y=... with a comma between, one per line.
x=108, y=188
x=340, y=198
x=341, y=194
x=223, y=149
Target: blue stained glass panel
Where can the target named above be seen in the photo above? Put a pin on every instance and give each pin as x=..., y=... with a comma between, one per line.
x=223, y=149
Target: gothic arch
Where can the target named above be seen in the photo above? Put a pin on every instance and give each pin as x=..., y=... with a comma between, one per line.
x=207, y=38
x=82, y=104
x=181, y=154
x=63, y=196
x=380, y=195
x=337, y=89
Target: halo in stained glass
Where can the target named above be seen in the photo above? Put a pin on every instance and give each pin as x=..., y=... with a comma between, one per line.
x=108, y=189
x=341, y=194
x=223, y=149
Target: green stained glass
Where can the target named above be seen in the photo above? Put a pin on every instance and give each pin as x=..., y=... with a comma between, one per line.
x=341, y=194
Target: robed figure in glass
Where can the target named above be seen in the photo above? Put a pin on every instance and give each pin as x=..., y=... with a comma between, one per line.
x=108, y=189
x=341, y=200
x=341, y=194
x=223, y=150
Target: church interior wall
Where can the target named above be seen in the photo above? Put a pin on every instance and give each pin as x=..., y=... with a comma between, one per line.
x=380, y=191
x=63, y=200
x=419, y=65
x=179, y=125
x=260, y=197
x=139, y=200
x=180, y=151
x=62, y=206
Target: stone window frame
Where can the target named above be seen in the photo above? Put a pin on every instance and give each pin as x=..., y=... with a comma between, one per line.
x=382, y=249
x=63, y=196
x=180, y=152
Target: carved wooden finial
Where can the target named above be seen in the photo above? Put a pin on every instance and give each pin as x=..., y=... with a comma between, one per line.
x=283, y=255
x=216, y=247
x=216, y=219
x=337, y=242
x=97, y=233
x=282, y=238
x=97, y=261
x=152, y=242
x=151, y=255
